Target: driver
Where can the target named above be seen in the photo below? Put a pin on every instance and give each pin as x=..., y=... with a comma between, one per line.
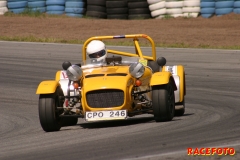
x=97, y=51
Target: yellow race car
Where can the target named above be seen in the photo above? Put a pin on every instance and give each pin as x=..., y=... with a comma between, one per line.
x=125, y=85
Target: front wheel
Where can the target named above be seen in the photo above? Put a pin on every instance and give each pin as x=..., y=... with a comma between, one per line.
x=48, y=113
x=163, y=102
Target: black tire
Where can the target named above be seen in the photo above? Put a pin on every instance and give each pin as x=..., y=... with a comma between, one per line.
x=96, y=8
x=139, y=16
x=163, y=100
x=117, y=16
x=96, y=2
x=139, y=11
x=95, y=14
x=143, y=4
x=116, y=4
x=69, y=121
x=180, y=112
x=153, y=65
x=117, y=10
x=48, y=113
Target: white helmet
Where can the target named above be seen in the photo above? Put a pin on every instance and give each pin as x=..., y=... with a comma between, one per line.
x=96, y=49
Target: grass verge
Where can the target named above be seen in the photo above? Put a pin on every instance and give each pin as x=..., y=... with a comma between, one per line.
x=28, y=12
x=118, y=43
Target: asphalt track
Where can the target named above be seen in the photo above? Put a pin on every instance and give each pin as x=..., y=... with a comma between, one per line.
x=212, y=117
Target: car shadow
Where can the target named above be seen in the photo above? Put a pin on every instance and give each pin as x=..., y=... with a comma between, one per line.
x=119, y=123
x=116, y=123
x=178, y=118
x=189, y=114
x=128, y=122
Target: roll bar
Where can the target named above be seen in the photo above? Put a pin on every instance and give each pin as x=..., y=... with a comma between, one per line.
x=135, y=38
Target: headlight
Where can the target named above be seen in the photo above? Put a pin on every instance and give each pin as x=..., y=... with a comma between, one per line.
x=74, y=73
x=136, y=70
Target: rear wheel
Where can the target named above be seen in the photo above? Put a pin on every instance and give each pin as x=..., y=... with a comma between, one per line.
x=163, y=102
x=48, y=113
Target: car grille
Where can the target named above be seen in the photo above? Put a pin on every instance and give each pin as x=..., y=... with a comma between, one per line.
x=106, y=98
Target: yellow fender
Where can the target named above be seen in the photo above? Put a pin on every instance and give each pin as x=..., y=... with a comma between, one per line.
x=47, y=87
x=58, y=75
x=178, y=70
x=160, y=78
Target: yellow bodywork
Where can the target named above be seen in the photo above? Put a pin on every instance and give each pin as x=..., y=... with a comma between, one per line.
x=47, y=87
x=181, y=73
x=160, y=78
x=124, y=81
x=57, y=76
x=106, y=81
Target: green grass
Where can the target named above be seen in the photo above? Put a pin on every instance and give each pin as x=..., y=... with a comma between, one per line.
x=27, y=12
x=30, y=13
x=167, y=16
x=119, y=43
x=35, y=39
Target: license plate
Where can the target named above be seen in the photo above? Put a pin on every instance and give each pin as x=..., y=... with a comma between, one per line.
x=106, y=115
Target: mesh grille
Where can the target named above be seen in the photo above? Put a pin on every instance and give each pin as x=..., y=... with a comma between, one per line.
x=105, y=98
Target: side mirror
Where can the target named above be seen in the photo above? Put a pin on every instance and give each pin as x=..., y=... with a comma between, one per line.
x=65, y=65
x=161, y=61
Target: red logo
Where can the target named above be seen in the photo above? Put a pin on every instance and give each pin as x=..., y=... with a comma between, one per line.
x=210, y=151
